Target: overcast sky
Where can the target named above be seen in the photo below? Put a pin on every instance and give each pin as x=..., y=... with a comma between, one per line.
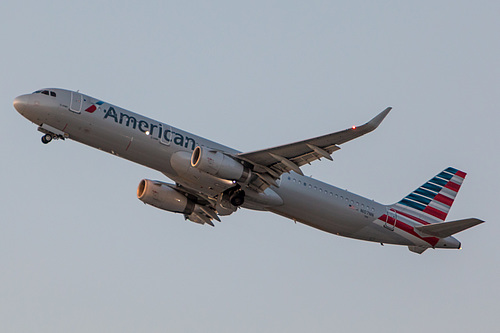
x=80, y=253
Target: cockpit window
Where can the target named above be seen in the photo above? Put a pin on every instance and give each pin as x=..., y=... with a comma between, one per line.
x=45, y=92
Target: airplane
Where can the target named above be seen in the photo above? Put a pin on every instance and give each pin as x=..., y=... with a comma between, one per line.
x=212, y=180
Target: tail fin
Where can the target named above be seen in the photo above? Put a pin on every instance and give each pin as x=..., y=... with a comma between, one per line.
x=431, y=202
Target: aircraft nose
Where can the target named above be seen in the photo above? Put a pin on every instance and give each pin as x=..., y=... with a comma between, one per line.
x=21, y=103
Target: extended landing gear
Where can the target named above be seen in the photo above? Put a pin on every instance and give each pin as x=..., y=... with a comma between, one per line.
x=231, y=199
x=50, y=133
x=237, y=198
x=47, y=138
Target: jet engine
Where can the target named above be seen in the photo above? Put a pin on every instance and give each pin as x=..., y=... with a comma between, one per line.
x=162, y=196
x=219, y=165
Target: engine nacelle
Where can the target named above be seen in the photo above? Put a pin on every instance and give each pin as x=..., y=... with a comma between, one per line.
x=219, y=165
x=162, y=196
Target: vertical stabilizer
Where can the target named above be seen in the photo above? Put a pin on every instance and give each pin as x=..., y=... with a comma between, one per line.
x=431, y=202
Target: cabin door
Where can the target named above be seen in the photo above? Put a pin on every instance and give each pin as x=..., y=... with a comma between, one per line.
x=76, y=102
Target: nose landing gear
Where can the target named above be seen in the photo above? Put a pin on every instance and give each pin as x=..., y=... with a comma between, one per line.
x=51, y=133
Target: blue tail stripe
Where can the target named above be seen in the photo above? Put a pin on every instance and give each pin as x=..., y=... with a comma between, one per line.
x=452, y=170
x=419, y=199
x=432, y=187
x=445, y=175
x=412, y=204
x=438, y=181
x=425, y=193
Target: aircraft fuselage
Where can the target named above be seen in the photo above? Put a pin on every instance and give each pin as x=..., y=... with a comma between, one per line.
x=154, y=144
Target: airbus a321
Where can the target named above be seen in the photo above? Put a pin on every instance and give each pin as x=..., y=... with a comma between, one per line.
x=212, y=180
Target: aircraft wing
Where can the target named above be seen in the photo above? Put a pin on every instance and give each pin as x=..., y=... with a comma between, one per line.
x=269, y=164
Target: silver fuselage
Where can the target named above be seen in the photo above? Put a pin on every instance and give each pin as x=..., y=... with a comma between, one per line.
x=151, y=143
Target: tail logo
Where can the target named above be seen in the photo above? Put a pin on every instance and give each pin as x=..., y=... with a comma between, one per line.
x=432, y=201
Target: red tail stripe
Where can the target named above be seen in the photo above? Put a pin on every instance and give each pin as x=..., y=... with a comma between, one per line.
x=435, y=212
x=452, y=186
x=444, y=199
x=460, y=174
x=409, y=229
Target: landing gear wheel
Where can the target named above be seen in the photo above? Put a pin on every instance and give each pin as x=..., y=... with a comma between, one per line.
x=237, y=198
x=46, y=138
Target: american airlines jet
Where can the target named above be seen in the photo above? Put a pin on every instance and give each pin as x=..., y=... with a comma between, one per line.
x=212, y=180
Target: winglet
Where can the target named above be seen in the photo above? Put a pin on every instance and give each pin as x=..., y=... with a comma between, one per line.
x=376, y=121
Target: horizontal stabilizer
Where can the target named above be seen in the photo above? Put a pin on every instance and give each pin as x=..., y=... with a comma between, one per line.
x=445, y=229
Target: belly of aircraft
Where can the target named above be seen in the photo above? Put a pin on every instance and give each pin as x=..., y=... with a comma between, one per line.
x=329, y=215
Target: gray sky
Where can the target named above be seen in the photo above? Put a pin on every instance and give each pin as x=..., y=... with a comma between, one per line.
x=80, y=253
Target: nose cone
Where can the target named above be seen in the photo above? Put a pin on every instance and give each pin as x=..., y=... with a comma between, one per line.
x=21, y=103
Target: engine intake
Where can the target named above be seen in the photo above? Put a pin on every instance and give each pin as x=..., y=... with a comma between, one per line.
x=219, y=165
x=161, y=195
x=164, y=196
